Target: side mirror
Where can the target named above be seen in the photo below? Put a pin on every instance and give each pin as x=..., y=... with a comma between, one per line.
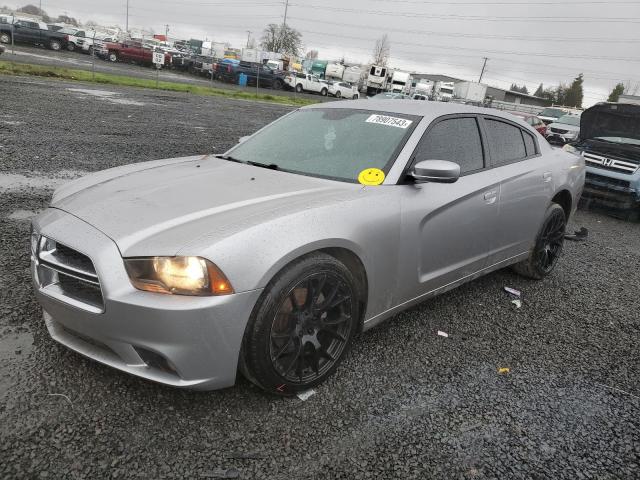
x=436, y=171
x=243, y=139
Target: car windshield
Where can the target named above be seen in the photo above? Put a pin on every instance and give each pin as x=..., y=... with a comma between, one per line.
x=553, y=112
x=570, y=120
x=329, y=143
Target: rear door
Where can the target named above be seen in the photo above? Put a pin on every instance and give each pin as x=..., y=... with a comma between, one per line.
x=525, y=186
x=447, y=228
x=25, y=31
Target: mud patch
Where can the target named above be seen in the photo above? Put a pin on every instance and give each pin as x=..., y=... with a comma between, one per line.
x=107, y=95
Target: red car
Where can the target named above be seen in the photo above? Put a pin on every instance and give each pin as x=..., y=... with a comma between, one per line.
x=532, y=120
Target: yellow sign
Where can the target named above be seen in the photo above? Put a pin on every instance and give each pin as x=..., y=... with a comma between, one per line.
x=371, y=177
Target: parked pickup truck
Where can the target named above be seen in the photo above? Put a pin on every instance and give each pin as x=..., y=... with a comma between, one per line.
x=255, y=72
x=131, y=51
x=305, y=82
x=35, y=33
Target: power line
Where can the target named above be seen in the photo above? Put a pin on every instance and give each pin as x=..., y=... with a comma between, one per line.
x=515, y=4
x=554, y=19
x=475, y=36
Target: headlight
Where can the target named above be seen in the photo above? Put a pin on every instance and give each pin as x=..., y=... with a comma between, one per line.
x=571, y=149
x=177, y=275
x=35, y=239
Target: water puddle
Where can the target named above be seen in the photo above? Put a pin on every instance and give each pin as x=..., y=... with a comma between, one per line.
x=14, y=182
x=22, y=215
x=109, y=96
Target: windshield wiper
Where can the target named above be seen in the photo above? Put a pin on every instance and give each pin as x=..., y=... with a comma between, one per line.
x=229, y=158
x=270, y=166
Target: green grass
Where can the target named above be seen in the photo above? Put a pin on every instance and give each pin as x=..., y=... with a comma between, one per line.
x=12, y=68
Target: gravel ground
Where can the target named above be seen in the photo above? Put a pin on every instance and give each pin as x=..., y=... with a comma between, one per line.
x=407, y=403
x=80, y=61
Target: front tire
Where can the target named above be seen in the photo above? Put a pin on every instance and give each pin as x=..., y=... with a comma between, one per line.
x=71, y=46
x=302, y=327
x=55, y=45
x=338, y=94
x=113, y=57
x=278, y=85
x=324, y=92
x=299, y=88
x=548, y=247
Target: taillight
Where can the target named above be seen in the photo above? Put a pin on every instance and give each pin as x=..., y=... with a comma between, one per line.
x=66, y=37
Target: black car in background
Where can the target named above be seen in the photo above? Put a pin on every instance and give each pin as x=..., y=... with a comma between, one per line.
x=34, y=33
x=255, y=72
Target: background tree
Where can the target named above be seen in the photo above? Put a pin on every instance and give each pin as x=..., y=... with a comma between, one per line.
x=574, y=95
x=68, y=20
x=616, y=92
x=33, y=10
x=520, y=89
x=540, y=91
x=382, y=51
x=282, y=39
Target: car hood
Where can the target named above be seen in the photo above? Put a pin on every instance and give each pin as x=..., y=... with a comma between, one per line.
x=564, y=126
x=155, y=208
x=611, y=120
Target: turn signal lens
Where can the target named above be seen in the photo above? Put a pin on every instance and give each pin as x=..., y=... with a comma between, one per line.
x=177, y=275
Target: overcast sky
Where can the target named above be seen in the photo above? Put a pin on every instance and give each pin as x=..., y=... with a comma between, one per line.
x=527, y=42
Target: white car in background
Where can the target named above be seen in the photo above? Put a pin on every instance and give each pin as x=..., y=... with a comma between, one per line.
x=343, y=90
x=74, y=35
x=564, y=130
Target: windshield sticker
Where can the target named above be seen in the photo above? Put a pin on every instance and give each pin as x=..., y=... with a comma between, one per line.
x=371, y=177
x=389, y=121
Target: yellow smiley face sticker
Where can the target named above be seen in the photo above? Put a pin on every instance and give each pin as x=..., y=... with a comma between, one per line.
x=371, y=177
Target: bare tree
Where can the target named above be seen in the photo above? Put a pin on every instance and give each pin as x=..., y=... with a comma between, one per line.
x=282, y=39
x=382, y=50
x=312, y=54
x=630, y=88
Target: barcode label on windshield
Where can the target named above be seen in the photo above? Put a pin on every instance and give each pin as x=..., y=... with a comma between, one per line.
x=389, y=121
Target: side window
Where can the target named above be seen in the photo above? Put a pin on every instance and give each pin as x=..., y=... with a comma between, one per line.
x=456, y=140
x=507, y=144
x=530, y=143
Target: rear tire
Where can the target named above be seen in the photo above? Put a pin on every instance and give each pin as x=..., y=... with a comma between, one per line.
x=5, y=38
x=324, y=92
x=299, y=88
x=548, y=246
x=113, y=57
x=294, y=341
x=71, y=46
x=277, y=85
x=91, y=51
x=338, y=94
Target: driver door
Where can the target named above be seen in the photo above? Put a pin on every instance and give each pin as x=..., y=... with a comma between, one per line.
x=447, y=228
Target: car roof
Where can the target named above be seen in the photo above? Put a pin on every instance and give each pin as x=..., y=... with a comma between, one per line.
x=429, y=110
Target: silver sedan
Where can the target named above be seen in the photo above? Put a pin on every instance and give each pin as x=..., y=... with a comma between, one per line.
x=269, y=258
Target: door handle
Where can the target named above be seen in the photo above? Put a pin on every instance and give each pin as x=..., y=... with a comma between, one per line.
x=491, y=196
x=547, y=177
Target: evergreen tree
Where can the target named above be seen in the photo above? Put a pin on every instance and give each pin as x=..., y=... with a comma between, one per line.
x=615, y=94
x=539, y=91
x=574, y=94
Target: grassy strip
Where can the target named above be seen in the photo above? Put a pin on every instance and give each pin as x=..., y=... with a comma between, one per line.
x=12, y=68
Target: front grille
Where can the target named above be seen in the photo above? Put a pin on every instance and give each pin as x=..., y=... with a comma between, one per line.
x=559, y=131
x=68, y=275
x=612, y=164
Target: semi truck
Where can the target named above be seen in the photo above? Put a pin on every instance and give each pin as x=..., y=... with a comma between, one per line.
x=400, y=82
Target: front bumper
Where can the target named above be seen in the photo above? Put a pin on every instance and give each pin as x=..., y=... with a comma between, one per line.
x=181, y=341
x=612, y=189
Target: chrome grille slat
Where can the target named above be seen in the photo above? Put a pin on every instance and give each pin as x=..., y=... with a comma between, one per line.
x=612, y=164
x=68, y=275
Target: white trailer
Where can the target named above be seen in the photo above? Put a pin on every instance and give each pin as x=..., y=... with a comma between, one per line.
x=425, y=87
x=352, y=75
x=334, y=70
x=376, y=80
x=250, y=55
x=470, y=91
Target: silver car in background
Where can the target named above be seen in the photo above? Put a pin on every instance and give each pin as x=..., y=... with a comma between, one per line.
x=268, y=259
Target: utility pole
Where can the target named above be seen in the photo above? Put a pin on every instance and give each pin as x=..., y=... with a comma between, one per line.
x=127, y=27
x=286, y=7
x=484, y=66
x=166, y=34
x=248, y=37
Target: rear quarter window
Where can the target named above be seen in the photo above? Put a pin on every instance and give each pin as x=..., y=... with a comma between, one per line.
x=505, y=141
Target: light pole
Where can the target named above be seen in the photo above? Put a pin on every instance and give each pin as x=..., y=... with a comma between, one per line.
x=248, y=37
x=127, y=25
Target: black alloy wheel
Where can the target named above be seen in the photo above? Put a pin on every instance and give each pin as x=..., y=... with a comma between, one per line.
x=551, y=242
x=311, y=328
x=302, y=327
x=548, y=247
